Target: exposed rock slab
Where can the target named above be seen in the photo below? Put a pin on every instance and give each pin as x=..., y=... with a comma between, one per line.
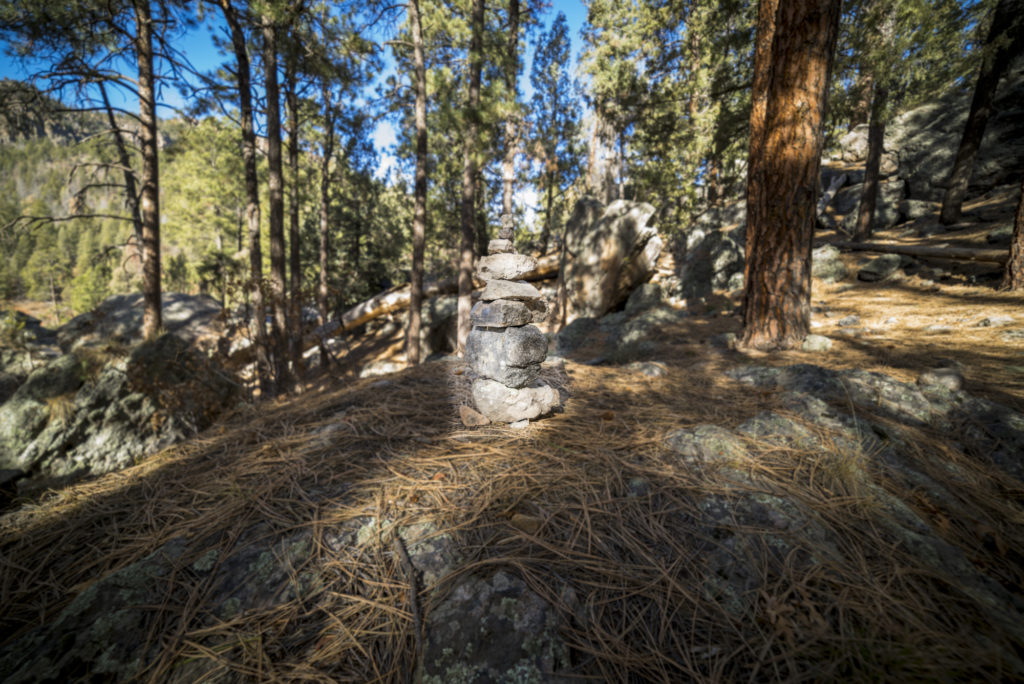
x=494, y=630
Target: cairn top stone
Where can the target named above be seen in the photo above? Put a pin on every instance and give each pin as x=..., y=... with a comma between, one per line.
x=507, y=223
x=506, y=289
x=505, y=266
x=499, y=246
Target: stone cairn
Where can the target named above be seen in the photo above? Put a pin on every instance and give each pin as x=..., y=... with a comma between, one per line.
x=503, y=348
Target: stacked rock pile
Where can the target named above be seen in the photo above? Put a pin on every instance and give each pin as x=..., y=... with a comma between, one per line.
x=503, y=348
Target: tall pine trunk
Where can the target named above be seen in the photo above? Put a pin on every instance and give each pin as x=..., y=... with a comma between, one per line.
x=419, y=212
x=325, y=214
x=252, y=197
x=275, y=201
x=294, y=262
x=149, y=204
x=876, y=140
x=1013, y=277
x=511, y=72
x=1005, y=41
x=469, y=171
x=790, y=88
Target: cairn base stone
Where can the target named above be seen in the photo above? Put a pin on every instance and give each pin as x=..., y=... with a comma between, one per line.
x=507, y=405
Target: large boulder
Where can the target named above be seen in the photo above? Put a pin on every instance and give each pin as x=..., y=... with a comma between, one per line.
x=713, y=260
x=101, y=409
x=192, y=318
x=887, y=207
x=612, y=251
x=928, y=137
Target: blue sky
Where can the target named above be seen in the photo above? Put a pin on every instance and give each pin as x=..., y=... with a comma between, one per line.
x=198, y=47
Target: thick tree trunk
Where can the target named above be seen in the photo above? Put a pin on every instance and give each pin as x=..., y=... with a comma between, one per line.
x=869, y=191
x=508, y=170
x=252, y=198
x=325, y=213
x=1013, y=276
x=1004, y=42
x=791, y=85
x=419, y=213
x=149, y=204
x=469, y=171
x=294, y=262
x=275, y=200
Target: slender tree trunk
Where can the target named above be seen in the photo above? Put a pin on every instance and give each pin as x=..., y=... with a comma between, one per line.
x=150, y=198
x=511, y=72
x=862, y=105
x=469, y=170
x=252, y=198
x=275, y=200
x=1013, y=277
x=1004, y=42
x=786, y=140
x=131, y=193
x=325, y=214
x=294, y=262
x=545, y=236
x=876, y=139
x=419, y=213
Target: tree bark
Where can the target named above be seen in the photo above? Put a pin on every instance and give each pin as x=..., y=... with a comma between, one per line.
x=791, y=85
x=419, y=213
x=511, y=73
x=294, y=262
x=252, y=197
x=325, y=213
x=149, y=202
x=1013, y=276
x=1005, y=41
x=275, y=200
x=469, y=171
x=876, y=139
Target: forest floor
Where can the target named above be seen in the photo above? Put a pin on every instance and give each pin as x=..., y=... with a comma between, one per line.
x=590, y=507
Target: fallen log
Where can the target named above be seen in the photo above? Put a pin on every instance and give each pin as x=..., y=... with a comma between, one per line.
x=991, y=256
x=390, y=301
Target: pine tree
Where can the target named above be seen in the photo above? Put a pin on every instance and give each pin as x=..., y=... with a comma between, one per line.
x=243, y=75
x=1005, y=41
x=554, y=121
x=469, y=172
x=790, y=87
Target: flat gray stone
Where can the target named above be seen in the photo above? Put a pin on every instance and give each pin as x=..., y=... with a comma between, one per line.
x=505, y=266
x=499, y=246
x=508, y=404
x=501, y=313
x=505, y=289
